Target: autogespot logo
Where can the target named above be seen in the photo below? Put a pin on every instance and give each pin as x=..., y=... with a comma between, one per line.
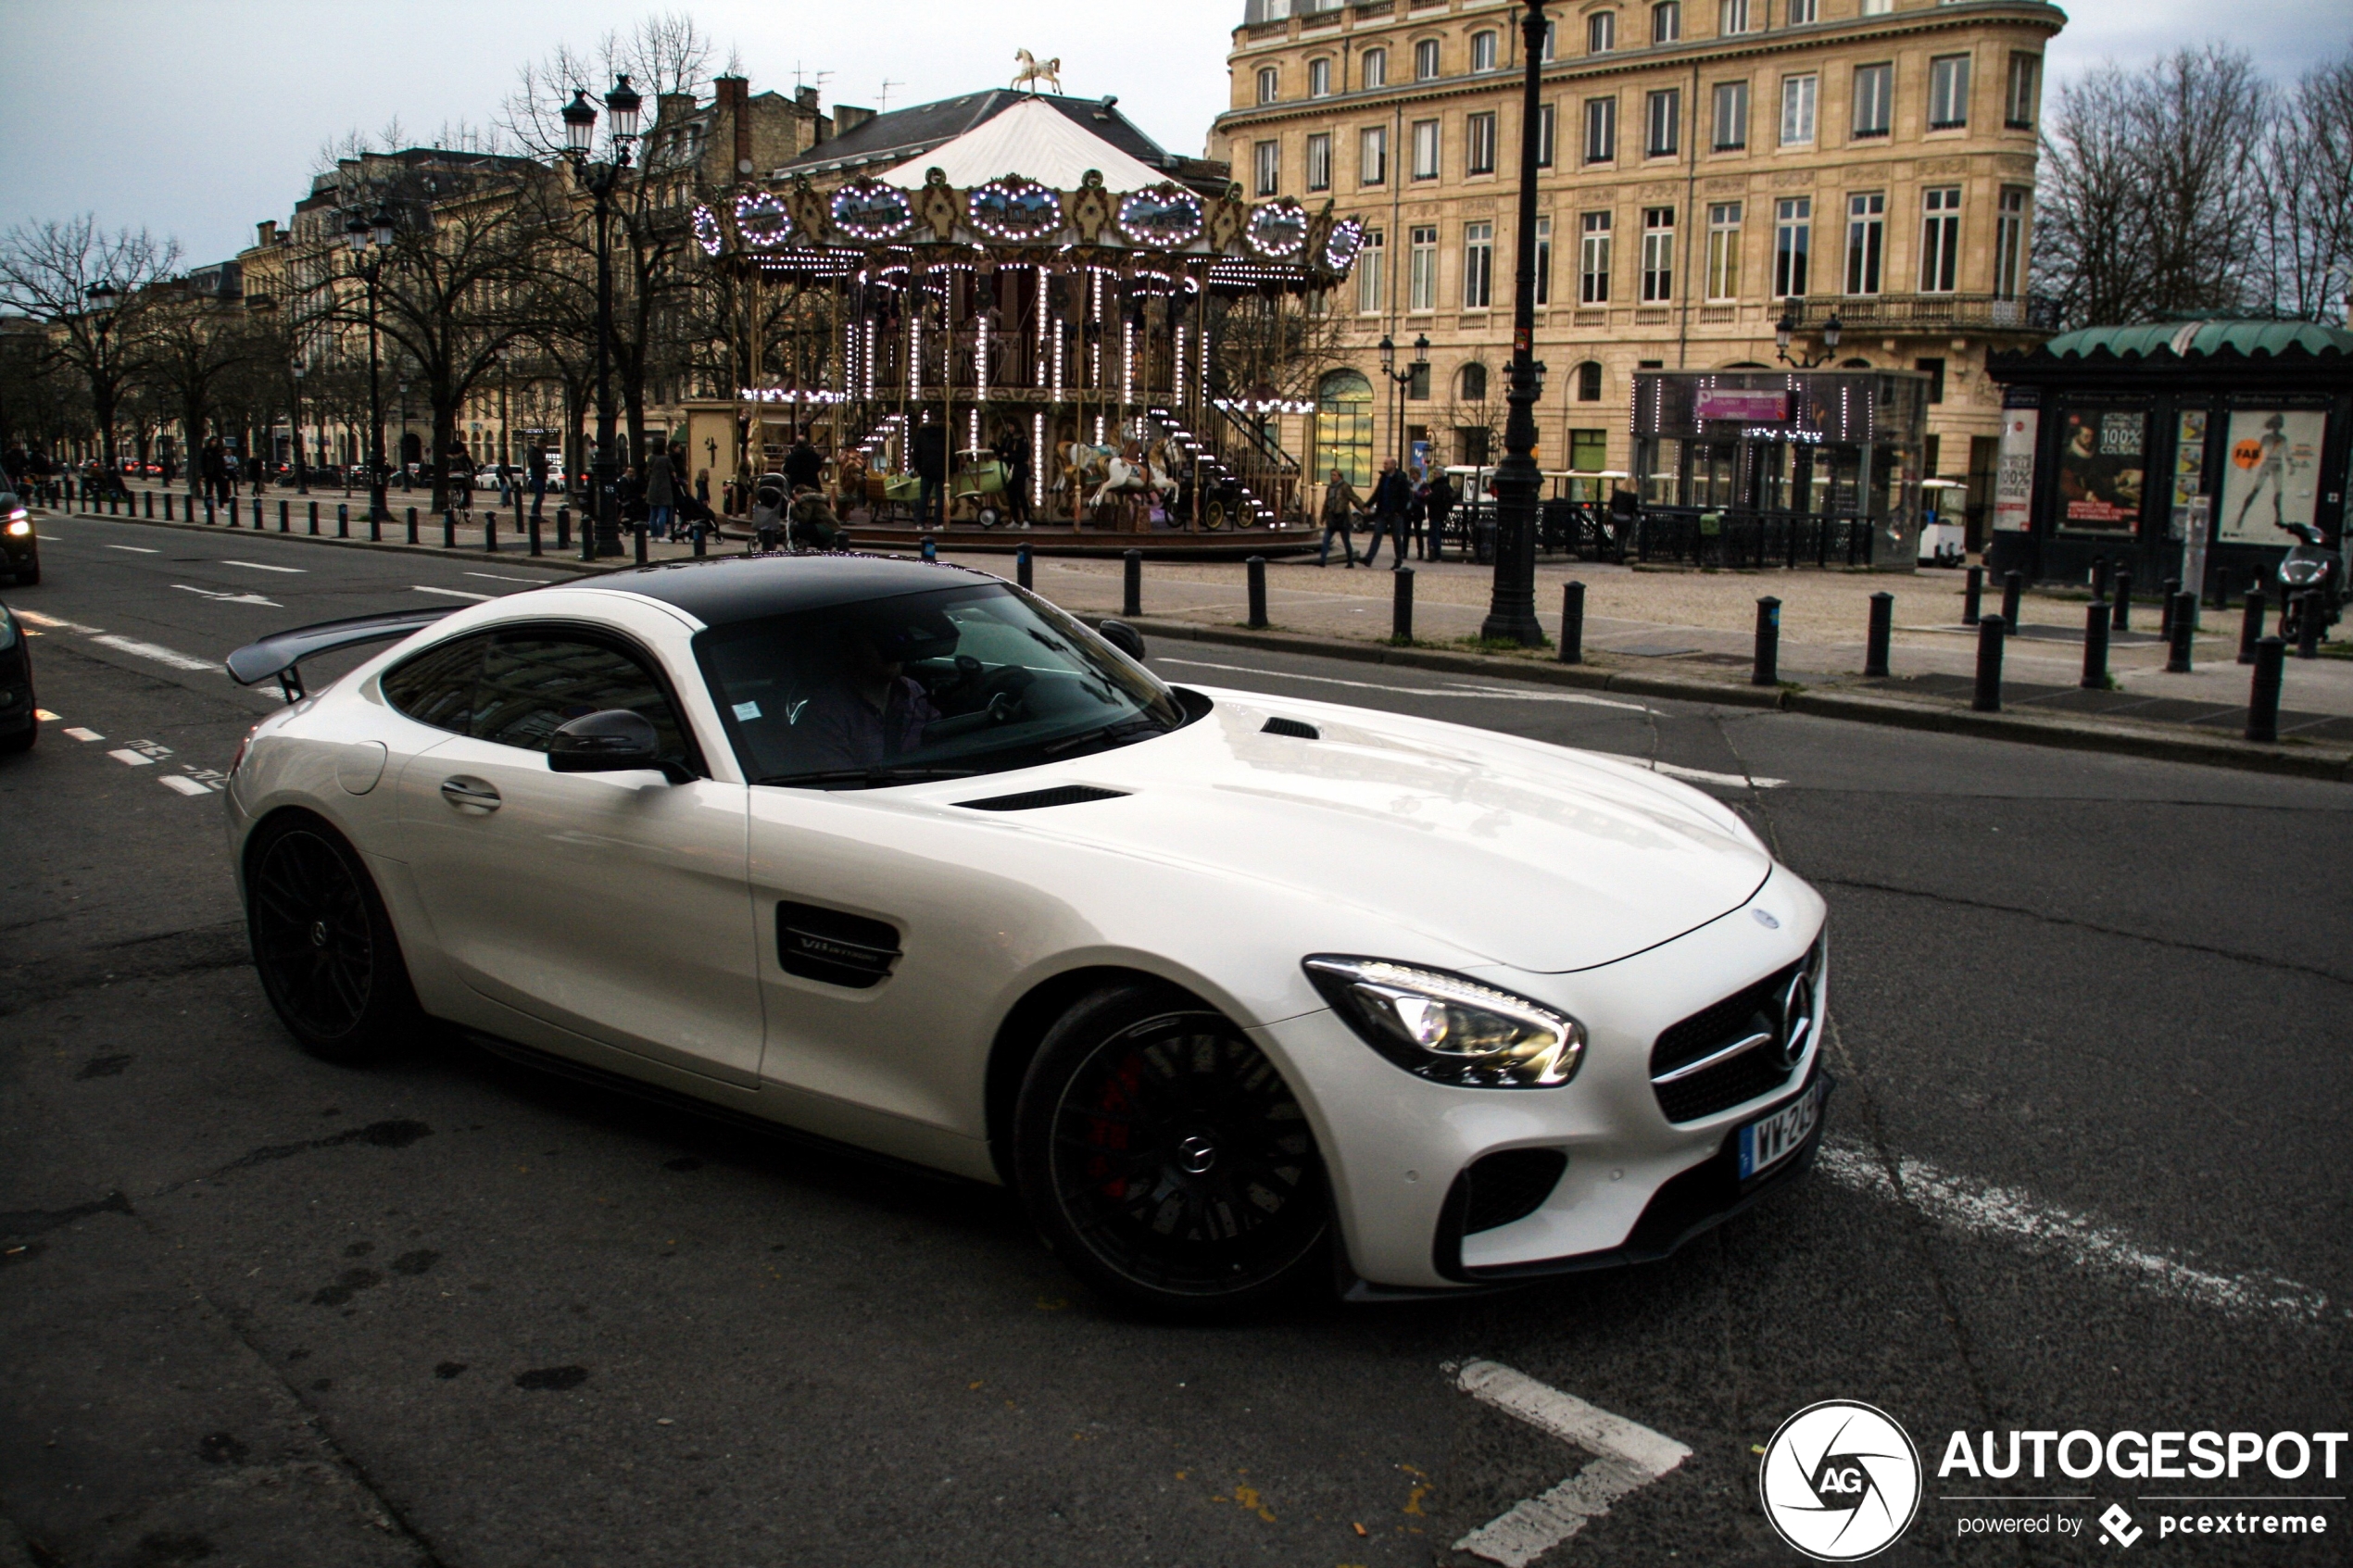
x=1841, y=1481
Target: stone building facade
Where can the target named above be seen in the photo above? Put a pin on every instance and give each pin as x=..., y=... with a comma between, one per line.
x=1707, y=168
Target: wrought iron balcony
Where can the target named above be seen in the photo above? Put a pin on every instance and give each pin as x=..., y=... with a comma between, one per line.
x=1931, y=313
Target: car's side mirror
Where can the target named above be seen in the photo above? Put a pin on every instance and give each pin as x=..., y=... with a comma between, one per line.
x=614, y=741
x=1123, y=637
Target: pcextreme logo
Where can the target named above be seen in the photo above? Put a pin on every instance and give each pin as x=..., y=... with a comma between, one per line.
x=1841, y=1481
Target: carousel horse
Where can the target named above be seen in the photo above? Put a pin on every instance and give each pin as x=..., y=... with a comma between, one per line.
x=1031, y=71
x=1134, y=473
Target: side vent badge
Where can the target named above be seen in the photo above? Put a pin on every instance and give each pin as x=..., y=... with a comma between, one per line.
x=1294, y=728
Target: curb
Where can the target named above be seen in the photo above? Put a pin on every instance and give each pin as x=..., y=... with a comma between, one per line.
x=522, y=553
x=2163, y=745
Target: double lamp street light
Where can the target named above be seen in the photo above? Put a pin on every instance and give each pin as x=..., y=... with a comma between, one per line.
x=599, y=179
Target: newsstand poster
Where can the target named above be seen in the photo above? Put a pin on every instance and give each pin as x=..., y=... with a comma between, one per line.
x=2100, y=469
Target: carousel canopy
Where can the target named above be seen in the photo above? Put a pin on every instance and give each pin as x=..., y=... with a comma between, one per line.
x=1034, y=139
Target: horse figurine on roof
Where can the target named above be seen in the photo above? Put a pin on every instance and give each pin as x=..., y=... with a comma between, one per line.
x=1032, y=72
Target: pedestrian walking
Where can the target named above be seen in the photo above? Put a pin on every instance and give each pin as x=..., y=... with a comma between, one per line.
x=535, y=466
x=1391, y=495
x=1340, y=508
x=661, y=496
x=1439, y=503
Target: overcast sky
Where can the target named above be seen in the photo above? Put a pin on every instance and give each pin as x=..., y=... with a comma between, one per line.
x=197, y=118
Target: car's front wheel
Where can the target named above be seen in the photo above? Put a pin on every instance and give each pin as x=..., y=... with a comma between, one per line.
x=323, y=942
x=1166, y=1160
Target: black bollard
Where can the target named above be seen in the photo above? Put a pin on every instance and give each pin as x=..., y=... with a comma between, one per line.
x=2100, y=578
x=637, y=544
x=343, y=519
x=1131, y=599
x=702, y=538
x=1025, y=571
x=2179, y=634
x=2251, y=626
x=2013, y=585
x=1572, y=623
x=286, y=518
x=1255, y=569
x=375, y=526
x=535, y=533
x=1883, y=630
x=207, y=511
x=448, y=529
x=2095, y=647
x=1401, y=612
x=563, y=531
x=412, y=525
x=257, y=514
x=167, y=506
x=151, y=505
x=2307, y=627
x=314, y=520
x=1769, y=643
x=1988, y=698
x=2123, y=620
x=1973, y=596
x=490, y=531
x=2264, y=701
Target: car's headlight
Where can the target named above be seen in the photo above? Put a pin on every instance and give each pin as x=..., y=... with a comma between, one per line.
x=1449, y=1028
x=19, y=527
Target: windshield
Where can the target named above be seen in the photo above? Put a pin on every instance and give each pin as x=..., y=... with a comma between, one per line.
x=946, y=684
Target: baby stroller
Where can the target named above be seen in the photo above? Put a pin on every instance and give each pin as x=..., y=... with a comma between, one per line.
x=696, y=521
x=768, y=514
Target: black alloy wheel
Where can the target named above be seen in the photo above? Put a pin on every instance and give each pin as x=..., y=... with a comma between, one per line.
x=1165, y=1159
x=323, y=942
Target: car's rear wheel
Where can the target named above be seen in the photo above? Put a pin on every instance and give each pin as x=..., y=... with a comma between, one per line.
x=1166, y=1160
x=323, y=944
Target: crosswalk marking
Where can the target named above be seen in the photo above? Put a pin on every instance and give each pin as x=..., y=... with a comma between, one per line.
x=129, y=759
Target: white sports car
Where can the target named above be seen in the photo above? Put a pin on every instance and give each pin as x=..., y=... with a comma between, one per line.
x=1236, y=990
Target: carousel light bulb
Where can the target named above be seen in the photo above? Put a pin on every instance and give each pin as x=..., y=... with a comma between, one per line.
x=1037, y=458
x=980, y=367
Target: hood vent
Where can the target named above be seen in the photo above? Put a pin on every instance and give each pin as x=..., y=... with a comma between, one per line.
x=1037, y=800
x=1296, y=729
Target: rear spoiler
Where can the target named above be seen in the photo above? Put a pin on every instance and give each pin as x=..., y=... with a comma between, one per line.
x=280, y=653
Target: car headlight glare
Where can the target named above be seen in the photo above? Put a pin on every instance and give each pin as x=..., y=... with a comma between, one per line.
x=19, y=527
x=1449, y=1028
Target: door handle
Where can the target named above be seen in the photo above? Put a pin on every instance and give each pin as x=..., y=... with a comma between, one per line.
x=474, y=792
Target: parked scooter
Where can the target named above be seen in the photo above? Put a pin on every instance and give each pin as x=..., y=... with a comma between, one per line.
x=2311, y=568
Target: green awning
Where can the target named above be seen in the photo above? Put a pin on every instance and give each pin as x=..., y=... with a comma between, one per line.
x=2197, y=339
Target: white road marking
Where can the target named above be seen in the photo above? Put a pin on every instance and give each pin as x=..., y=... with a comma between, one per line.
x=509, y=577
x=155, y=651
x=451, y=593
x=1701, y=775
x=258, y=566
x=1505, y=694
x=129, y=759
x=83, y=734
x=135, y=550
x=2012, y=1214
x=1626, y=1456
x=219, y=597
x=183, y=783
x=51, y=623
x=44, y=716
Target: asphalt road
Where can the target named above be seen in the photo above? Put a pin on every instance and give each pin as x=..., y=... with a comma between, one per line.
x=2083, y=1170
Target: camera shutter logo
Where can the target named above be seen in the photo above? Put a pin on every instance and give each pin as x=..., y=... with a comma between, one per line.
x=1841, y=1481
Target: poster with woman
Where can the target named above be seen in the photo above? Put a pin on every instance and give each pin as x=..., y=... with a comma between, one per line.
x=2272, y=474
x=2100, y=471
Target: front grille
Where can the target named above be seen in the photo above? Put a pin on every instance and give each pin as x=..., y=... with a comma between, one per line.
x=1752, y=1011
x=1509, y=1185
x=1727, y=1083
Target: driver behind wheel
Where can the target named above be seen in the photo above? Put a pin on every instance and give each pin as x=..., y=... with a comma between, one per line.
x=871, y=710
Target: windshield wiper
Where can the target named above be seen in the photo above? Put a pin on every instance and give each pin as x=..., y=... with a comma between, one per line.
x=1123, y=730
x=875, y=777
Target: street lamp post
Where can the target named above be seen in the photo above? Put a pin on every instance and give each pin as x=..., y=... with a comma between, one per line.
x=302, y=469
x=370, y=238
x=1786, y=328
x=1511, y=611
x=1398, y=380
x=104, y=297
x=598, y=180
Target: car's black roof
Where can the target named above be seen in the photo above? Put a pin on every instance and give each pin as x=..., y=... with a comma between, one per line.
x=719, y=590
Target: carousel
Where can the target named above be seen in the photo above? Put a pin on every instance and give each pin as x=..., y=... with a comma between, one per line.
x=1021, y=329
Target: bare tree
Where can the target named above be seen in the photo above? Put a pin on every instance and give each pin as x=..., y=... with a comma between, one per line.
x=190, y=348
x=2308, y=167
x=48, y=272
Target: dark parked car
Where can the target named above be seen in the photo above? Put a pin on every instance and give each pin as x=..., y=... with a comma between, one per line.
x=20, y=726
x=19, y=546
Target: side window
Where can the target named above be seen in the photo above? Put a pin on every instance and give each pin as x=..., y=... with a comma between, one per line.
x=532, y=682
x=437, y=686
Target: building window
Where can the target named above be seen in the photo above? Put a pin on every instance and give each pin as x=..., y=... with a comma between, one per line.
x=1426, y=59
x=1319, y=79
x=1724, y=250
x=1732, y=116
x=1417, y=390
x=1551, y=41
x=1543, y=261
x=1479, y=142
x=1733, y=16
x=1658, y=255
x=1370, y=300
x=1425, y=149
x=1797, y=109
x=2018, y=103
x=1799, y=13
x=1482, y=51
x=2009, y=243
x=1935, y=371
x=1662, y=124
x=1421, y=277
x=1319, y=161
x=1878, y=7
x=1592, y=260
x=1479, y=266
x=1874, y=99
x=1473, y=382
x=1947, y=92
x=1601, y=130
x=1939, y=238
x=1588, y=382
x=1344, y=427
x=1266, y=158
x=1866, y=240
x=1601, y=32
x=1372, y=156
x=1793, y=237
x=1667, y=23
x=1374, y=69
x=1547, y=128
x=1270, y=82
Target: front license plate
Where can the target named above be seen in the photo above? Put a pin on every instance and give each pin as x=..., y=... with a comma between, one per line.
x=1767, y=1143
